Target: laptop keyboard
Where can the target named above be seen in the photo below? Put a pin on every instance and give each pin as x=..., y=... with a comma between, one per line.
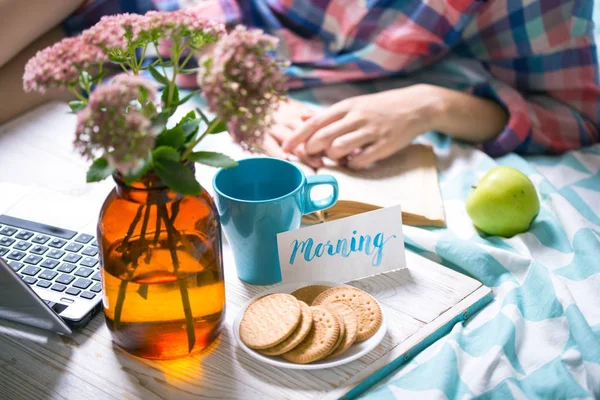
x=51, y=258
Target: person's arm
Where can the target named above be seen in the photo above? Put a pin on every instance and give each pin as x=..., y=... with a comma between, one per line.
x=547, y=80
x=545, y=101
x=24, y=21
x=14, y=100
x=27, y=26
x=465, y=116
x=364, y=129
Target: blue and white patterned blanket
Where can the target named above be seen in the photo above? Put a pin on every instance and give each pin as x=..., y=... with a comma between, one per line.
x=540, y=337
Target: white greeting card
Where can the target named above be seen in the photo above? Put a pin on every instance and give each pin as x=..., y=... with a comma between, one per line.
x=343, y=250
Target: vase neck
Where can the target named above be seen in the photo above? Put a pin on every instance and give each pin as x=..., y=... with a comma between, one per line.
x=149, y=189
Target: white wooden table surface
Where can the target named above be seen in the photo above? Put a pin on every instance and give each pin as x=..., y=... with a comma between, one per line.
x=38, y=166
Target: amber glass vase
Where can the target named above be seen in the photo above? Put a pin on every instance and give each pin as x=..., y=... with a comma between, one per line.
x=162, y=272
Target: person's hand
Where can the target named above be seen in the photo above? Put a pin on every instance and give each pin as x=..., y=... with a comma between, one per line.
x=288, y=118
x=364, y=129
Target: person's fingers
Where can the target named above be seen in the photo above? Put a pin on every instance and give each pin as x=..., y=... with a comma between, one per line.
x=272, y=147
x=272, y=144
x=293, y=114
x=280, y=132
x=323, y=138
x=312, y=161
x=292, y=123
x=378, y=151
x=306, y=113
x=312, y=125
x=346, y=144
x=299, y=118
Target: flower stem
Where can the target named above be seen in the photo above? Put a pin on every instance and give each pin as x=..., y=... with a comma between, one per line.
x=185, y=61
x=185, y=298
x=159, y=57
x=206, y=121
x=175, y=58
x=175, y=210
x=156, y=237
x=132, y=60
x=190, y=148
x=126, y=257
x=77, y=94
x=139, y=66
x=136, y=220
x=138, y=248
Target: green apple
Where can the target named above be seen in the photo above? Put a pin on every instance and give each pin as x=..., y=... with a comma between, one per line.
x=504, y=202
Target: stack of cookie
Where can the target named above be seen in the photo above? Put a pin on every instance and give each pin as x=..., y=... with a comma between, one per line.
x=311, y=324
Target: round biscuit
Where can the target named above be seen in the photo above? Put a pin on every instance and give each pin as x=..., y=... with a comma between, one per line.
x=341, y=336
x=351, y=324
x=365, y=307
x=296, y=337
x=320, y=340
x=308, y=293
x=269, y=320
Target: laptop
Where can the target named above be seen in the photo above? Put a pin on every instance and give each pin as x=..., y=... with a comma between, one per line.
x=49, y=276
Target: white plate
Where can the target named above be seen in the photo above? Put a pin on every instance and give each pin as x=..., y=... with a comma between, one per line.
x=355, y=351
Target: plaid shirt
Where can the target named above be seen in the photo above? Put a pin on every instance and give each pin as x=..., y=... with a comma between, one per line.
x=536, y=58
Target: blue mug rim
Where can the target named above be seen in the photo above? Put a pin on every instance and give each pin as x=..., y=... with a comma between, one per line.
x=250, y=159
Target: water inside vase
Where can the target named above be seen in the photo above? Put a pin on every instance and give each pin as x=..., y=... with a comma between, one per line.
x=158, y=308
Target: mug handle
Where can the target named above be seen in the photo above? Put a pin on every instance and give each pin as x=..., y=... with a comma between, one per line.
x=310, y=205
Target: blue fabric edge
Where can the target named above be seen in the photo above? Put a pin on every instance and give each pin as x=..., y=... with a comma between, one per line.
x=383, y=372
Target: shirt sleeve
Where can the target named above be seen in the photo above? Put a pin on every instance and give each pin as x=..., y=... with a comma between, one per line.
x=226, y=11
x=544, y=71
x=90, y=12
x=539, y=57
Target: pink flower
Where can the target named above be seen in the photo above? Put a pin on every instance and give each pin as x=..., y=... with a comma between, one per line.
x=115, y=125
x=117, y=34
x=60, y=64
x=114, y=33
x=242, y=84
x=134, y=86
x=184, y=23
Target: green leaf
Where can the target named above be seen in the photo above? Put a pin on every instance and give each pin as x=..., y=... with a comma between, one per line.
x=189, y=124
x=165, y=96
x=178, y=177
x=189, y=96
x=76, y=105
x=148, y=66
x=99, y=170
x=187, y=71
x=203, y=116
x=143, y=95
x=173, y=137
x=100, y=76
x=158, y=76
x=129, y=179
x=164, y=114
x=218, y=127
x=213, y=159
x=190, y=127
x=84, y=80
x=189, y=116
x=175, y=94
x=165, y=153
x=116, y=59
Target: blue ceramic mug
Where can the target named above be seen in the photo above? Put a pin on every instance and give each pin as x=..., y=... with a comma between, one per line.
x=258, y=199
